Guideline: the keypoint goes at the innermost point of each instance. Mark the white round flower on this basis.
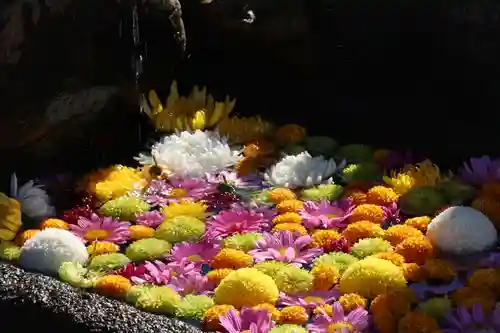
(48, 249)
(302, 170)
(461, 230)
(35, 202)
(192, 154)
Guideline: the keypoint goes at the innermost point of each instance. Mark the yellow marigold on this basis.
(293, 314)
(417, 322)
(381, 195)
(358, 197)
(271, 309)
(486, 279)
(414, 272)
(487, 303)
(10, 217)
(243, 130)
(279, 195)
(186, 208)
(401, 182)
(462, 294)
(398, 233)
(231, 258)
(352, 301)
(420, 222)
(325, 307)
(489, 206)
(362, 229)
(324, 239)
(424, 173)
(114, 182)
(290, 217)
(97, 248)
(290, 134)
(289, 206)
(211, 318)
(113, 285)
(415, 249)
(385, 322)
(439, 269)
(24, 236)
(398, 302)
(292, 227)
(325, 276)
(395, 258)
(140, 232)
(54, 223)
(368, 212)
(217, 275)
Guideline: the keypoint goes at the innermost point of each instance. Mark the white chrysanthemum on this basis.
(192, 154)
(48, 249)
(302, 170)
(35, 201)
(461, 230)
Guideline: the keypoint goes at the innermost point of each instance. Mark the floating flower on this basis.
(325, 238)
(248, 320)
(194, 283)
(248, 182)
(355, 321)
(114, 182)
(234, 221)
(352, 301)
(321, 192)
(101, 229)
(480, 170)
(54, 223)
(309, 300)
(186, 208)
(197, 253)
(369, 212)
(161, 192)
(293, 314)
(289, 206)
(291, 227)
(287, 247)
(147, 249)
(192, 154)
(10, 217)
(231, 258)
(325, 276)
(326, 215)
(211, 317)
(381, 195)
(155, 272)
(362, 229)
(302, 170)
(244, 130)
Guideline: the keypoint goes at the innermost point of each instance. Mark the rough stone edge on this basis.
(34, 301)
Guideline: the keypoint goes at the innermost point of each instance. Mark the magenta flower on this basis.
(285, 246)
(250, 182)
(248, 320)
(480, 170)
(475, 321)
(156, 193)
(150, 219)
(183, 267)
(325, 214)
(131, 270)
(163, 192)
(309, 300)
(197, 253)
(194, 283)
(155, 272)
(354, 322)
(98, 228)
(237, 221)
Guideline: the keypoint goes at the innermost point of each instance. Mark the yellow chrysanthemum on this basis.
(292, 227)
(424, 174)
(291, 217)
(381, 195)
(293, 314)
(325, 276)
(186, 208)
(244, 130)
(289, 206)
(196, 112)
(352, 301)
(114, 182)
(231, 258)
(324, 239)
(140, 232)
(54, 223)
(393, 257)
(215, 276)
(98, 248)
(398, 233)
(419, 222)
(10, 217)
(278, 195)
(401, 182)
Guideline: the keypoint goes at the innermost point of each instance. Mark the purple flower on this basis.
(326, 215)
(250, 182)
(98, 228)
(194, 283)
(155, 272)
(237, 221)
(354, 322)
(249, 320)
(150, 219)
(309, 300)
(163, 192)
(422, 289)
(480, 170)
(285, 246)
(197, 253)
(475, 321)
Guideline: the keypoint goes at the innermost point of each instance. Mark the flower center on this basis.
(178, 193)
(194, 258)
(331, 216)
(96, 234)
(341, 327)
(282, 251)
(314, 299)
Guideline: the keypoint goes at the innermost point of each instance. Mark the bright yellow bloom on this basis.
(10, 217)
(114, 182)
(186, 208)
(424, 173)
(401, 182)
(244, 130)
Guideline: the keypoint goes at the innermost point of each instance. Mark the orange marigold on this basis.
(292, 227)
(113, 285)
(294, 314)
(393, 257)
(352, 301)
(358, 197)
(97, 248)
(381, 195)
(420, 222)
(362, 229)
(290, 217)
(231, 258)
(490, 189)
(385, 322)
(217, 275)
(485, 279)
(415, 249)
(439, 269)
(247, 166)
(278, 195)
(290, 134)
(368, 212)
(397, 302)
(417, 322)
(414, 272)
(489, 206)
(289, 206)
(211, 318)
(54, 223)
(24, 236)
(398, 233)
(324, 239)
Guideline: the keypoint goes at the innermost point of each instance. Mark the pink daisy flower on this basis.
(196, 253)
(309, 300)
(183, 267)
(248, 320)
(155, 272)
(354, 322)
(326, 215)
(163, 192)
(285, 246)
(237, 221)
(194, 283)
(150, 219)
(98, 228)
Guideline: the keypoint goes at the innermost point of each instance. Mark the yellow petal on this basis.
(7, 235)
(217, 114)
(155, 102)
(199, 120)
(173, 96)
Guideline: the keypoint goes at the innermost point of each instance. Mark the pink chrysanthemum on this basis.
(98, 228)
(248, 320)
(163, 192)
(197, 253)
(150, 219)
(250, 182)
(193, 283)
(233, 222)
(326, 215)
(154, 272)
(354, 322)
(480, 170)
(285, 246)
(309, 300)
